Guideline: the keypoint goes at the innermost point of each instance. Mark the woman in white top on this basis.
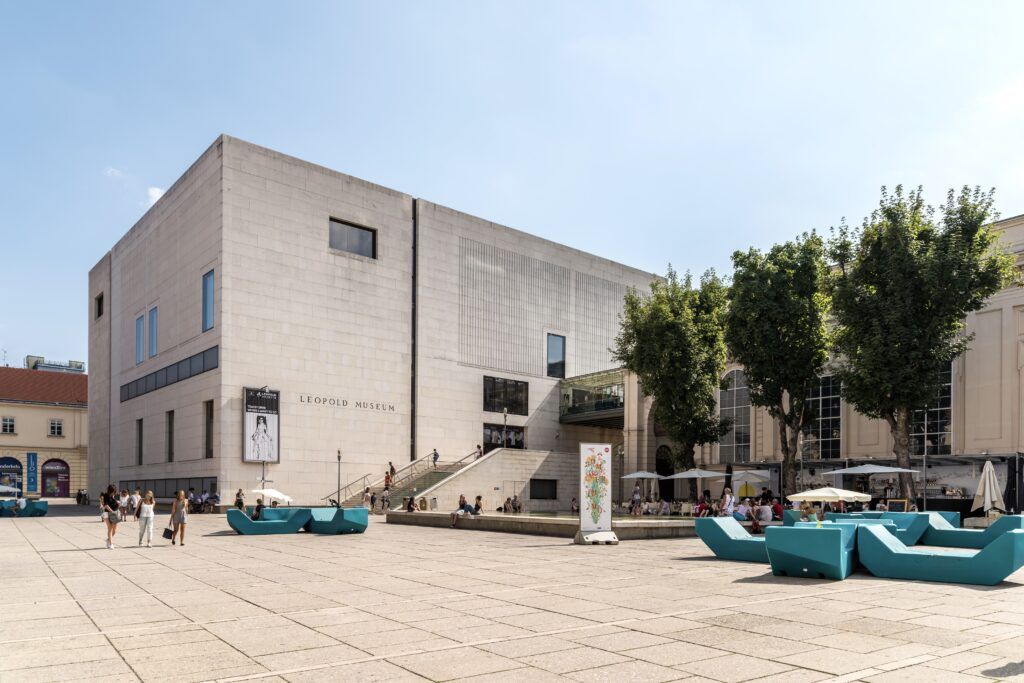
(366, 498)
(727, 503)
(146, 506)
(123, 508)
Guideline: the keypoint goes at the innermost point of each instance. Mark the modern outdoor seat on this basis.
(281, 521)
(338, 520)
(910, 526)
(812, 551)
(940, 533)
(728, 540)
(7, 508)
(886, 556)
(35, 508)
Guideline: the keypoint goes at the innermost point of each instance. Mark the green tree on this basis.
(776, 329)
(902, 287)
(672, 339)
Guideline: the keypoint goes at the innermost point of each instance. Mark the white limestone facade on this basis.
(380, 356)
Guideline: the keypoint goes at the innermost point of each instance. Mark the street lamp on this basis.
(339, 478)
(504, 427)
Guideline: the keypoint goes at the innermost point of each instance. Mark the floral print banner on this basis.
(595, 487)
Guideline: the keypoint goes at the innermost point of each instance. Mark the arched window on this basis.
(734, 404)
(56, 479)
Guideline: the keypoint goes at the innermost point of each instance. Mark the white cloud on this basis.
(112, 172)
(154, 193)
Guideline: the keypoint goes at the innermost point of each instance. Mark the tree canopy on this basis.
(672, 338)
(776, 329)
(902, 287)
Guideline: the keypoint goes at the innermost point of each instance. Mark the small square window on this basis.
(56, 427)
(7, 425)
(354, 239)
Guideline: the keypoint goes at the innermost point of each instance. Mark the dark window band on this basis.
(175, 372)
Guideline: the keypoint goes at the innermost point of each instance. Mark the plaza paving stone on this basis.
(404, 603)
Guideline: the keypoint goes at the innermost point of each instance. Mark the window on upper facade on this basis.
(354, 239)
(170, 436)
(208, 301)
(556, 356)
(7, 425)
(502, 436)
(501, 393)
(931, 428)
(208, 429)
(98, 307)
(543, 489)
(822, 438)
(152, 331)
(138, 441)
(734, 404)
(140, 336)
(56, 427)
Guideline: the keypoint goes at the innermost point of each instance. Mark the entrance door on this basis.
(663, 466)
(56, 479)
(10, 473)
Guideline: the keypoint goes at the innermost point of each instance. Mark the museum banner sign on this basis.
(261, 435)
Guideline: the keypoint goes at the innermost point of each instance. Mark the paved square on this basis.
(403, 603)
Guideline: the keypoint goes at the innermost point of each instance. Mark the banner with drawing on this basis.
(595, 487)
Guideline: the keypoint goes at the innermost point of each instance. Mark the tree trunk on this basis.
(789, 439)
(686, 457)
(899, 426)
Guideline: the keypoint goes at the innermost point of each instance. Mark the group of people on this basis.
(118, 506)
(512, 504)
(464, 508)
(370, 498)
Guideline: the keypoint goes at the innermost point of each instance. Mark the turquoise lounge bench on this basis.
(35, 508)
(807, 550)
(7, 508)
(273, 521)
(942, 534)
(728, 540)
(886, 556)
(338, 520)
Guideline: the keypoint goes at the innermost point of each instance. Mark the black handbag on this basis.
(168, 532)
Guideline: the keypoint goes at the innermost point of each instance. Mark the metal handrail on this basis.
(401, 474)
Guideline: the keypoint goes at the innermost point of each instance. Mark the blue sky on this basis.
(644, 132)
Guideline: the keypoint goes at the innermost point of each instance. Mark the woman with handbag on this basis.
(109, 504)
(179, 517)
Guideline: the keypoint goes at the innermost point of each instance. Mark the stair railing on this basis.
(342, 494)
(405, 473)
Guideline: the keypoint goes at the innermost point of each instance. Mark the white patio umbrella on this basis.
(988, 493)
(751, 477)
(695, 474)
(273, 493)
(871, 469)
(829, 494)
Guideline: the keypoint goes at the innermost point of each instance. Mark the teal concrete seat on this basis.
(886, 556)
(282, 521)
(728, 540)
(35, 508)
(790, 517)
(867, 514)
(7, 508)
(952, 517)
(942, 534)
(812, 551)
(910, 526)
(338, 520)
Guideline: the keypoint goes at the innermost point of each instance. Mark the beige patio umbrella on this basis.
(988, 493)
(829, 494)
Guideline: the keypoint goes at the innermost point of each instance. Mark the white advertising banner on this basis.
(595, 487)
(261, 435)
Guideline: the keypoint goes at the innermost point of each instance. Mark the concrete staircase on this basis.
(413, 484)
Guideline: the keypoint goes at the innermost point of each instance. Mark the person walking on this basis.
(122, 509)
(179, 518)
(435, 456)
(366, 499)
(479, 452)
(145, 515)
(240, 500)
(373, 501)
(133, 504)
(109, 503)
(391, 469)
(385, 500)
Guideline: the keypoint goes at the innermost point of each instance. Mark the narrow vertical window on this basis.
(138, 441)
(140, 334)
(208, 301)
(170, 436)
(208, 429)
(556, 356)
(152, 331)
(99, 305)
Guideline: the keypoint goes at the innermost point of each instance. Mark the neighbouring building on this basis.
(44, 428)
(269, 311)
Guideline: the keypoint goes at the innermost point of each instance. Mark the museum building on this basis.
(267, 313)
